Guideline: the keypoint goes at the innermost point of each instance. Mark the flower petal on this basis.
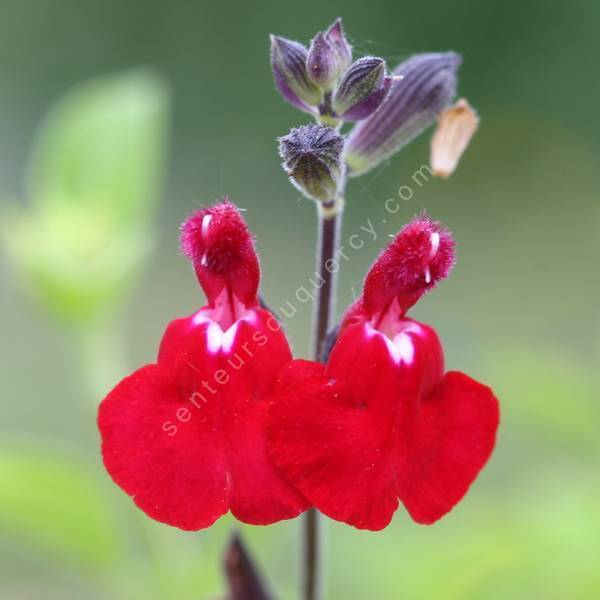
(185, 350)
(381, 423)
(259, 495)
(175, 470)
(332, 434)
(452, 439)
(188, 434)
(241, 377)
(333, 453)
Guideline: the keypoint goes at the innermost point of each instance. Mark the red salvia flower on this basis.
(382, 422)
(185, 437)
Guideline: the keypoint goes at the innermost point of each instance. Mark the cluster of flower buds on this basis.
(427, 87)
(390, 108)
(323, 81)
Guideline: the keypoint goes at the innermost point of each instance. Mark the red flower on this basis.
(185, 436)
(381, 422)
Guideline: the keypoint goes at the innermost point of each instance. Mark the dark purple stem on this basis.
(328, 243)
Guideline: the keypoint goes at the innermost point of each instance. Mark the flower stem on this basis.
(330, 218)
(326, 268)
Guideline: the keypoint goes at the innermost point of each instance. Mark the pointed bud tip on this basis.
(273, 43)
(323, 62)
(335, 31)
(454, 58)
(283, 44)
(421, 255)
(277, 40)
(276, 43)
(335, 34)
(336, 27)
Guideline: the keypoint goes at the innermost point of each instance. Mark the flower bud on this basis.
(362, 89)
(427, 86)
(323, 63)
(335, 35)
(288, 63)
(312, 159)
(455, 128)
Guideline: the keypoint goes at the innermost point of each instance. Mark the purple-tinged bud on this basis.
(288, 63)
(323, 62)
(312, 157)
(335, 35)
(362, 89)
(428, 85)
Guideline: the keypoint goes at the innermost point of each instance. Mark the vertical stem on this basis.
(328, 244)
(311, 555)
(330, 217)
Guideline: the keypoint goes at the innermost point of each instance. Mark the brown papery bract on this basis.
(455, 128)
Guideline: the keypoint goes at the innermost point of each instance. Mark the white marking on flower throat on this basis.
(214, 337)
(400, 347)
(406, 350)
(217, 339)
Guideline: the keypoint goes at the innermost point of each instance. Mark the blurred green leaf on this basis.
(71, 265)
(95, 175)
(53, 503)
(102, 146)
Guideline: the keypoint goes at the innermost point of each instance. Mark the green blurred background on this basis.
(520, 311)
